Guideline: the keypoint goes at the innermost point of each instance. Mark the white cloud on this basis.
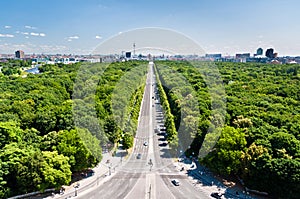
(73, 37)
(32, 48)
(34, 34)
(7, 27)
(30, 27)
(98, 37)
(6, 35)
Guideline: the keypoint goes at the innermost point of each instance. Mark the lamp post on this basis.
(121, 158)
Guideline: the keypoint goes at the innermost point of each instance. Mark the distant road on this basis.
(150, 175)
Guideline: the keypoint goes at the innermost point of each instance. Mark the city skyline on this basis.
(78, 27)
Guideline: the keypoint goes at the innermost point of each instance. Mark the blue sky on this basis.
(77, 26)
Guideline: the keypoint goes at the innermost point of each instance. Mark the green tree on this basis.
(285, 143)
(70, 145)
(226, 158)
(55, 170)
(3, 183)
(127, 141)
(9, 132)
(91, 143)
(111, 129)
(20, 176)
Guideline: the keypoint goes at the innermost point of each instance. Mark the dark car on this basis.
(139, 156)
(216, 195)
(90, 173)
(175, 182)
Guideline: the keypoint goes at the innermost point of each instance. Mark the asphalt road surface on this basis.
(150, 175)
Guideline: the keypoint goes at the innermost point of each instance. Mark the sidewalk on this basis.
(103, 170)
(209, 183)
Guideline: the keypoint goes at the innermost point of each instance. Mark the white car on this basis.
(145, 143)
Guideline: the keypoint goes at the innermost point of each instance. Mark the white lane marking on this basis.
(150, 186)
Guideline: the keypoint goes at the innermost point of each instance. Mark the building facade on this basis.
(20, 54)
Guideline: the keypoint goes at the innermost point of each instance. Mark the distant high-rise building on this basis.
(259, 51)
(270, 53)
(128, 54)
(20, 54)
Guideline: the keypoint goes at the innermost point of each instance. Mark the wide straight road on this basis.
(149, 170)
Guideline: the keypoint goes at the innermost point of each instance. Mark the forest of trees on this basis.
(43, 118)
(14, 67)
(249, 112)
(260, 138)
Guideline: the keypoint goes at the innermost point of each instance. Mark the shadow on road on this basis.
(161, 139)
(163, 144)
(121, 154)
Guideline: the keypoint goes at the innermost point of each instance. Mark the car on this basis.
(175, 182)
(90, 173)
(139, 156)
(145, 143)
(216, 195)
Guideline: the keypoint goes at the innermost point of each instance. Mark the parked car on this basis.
(216, 195)
(175, 182)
